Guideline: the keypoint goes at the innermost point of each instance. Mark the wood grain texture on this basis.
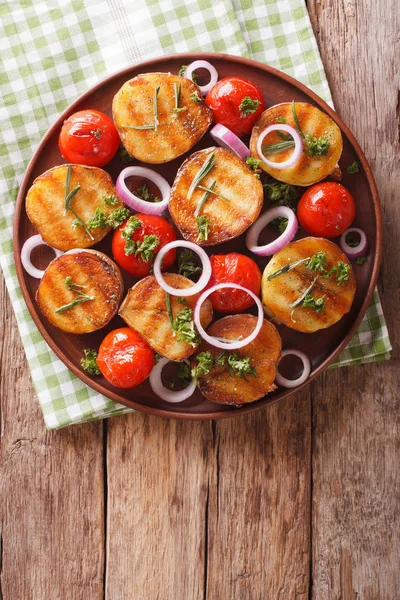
(51, 491)
(356, 486)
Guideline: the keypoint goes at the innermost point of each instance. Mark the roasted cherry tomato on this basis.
(124, 359)
(326, 209)
(236, 103)
(88, 137)
(234, 268)
(151, 234)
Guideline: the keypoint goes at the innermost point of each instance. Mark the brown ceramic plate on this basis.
(322, 347)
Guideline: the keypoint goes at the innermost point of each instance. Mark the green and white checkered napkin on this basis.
(52, 51)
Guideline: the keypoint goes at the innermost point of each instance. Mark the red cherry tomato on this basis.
(88, 137)
(150, 225)
(124, 359)
(234, 268)
(326, 209)
(225, 99)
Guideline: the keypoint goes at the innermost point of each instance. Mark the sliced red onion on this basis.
(291, 383)
(163, 392)
(296, 154)
(215, 341)
(137, 204)
(27, 248)
(196, 287)
(229, 140)
(202, 64)
(356, 251)
(254, 232)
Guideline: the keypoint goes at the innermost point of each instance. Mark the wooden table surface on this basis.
(299, 500)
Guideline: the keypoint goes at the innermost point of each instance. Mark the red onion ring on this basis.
(254, 232)
(217, 342)
(202, 64)
(196, 287)
(163, 392)
(298, 146)
(291, 383)
(229, 140)
(137, 204)
(350, 251)
(29, 245)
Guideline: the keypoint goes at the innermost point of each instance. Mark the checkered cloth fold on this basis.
(53, 51)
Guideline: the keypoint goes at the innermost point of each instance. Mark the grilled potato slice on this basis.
(100, 279)
(133, 106)
(145, 310)
(234, 181)
(45, 205)
(312, 121)
(223, 387)
(280, 292)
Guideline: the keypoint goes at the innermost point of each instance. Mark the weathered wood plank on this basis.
(51, 491)
(158, 479)
(356, 489)
(259, 510)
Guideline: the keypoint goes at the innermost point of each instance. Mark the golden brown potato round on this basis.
(223, 387)
(312, 121)
(228, 218)
(144, 309)
(133, 106)
(45, 205)
(280, 292)
(97, 277)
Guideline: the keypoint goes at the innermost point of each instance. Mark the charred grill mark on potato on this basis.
(144, 309)
(220, 385)
(307, 170)
(133, 105)
(279, 293)
(228, 218)
(45, 205)
(101, 279)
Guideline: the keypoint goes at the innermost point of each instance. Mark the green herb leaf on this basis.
(248, 106)
(203, 227)
(352, 240)
(155, 107)
(317, 146)
(125, 156)
(67, 184)
(270, 149)
(212, 191)
(300, 300)
(99, 219)
(253, 163)
(360, 260)
(184, 327)
(353, 168)
(69, 199)
(281, 120)
(89, 363)
(202, 172)
(342, 271)
(317, 304)
(196, 98)
(286, 268)
(296, 119)
(146, 247)
(169, 309)
(79, 300)
(71, 285)
(184, 373)
(177, 96)
(317, 262)
(118, 216)
(144, 193)
(240, 365)
(204, 365)
(282, 193)
(81, 296)
(182, 70)
(139, 127)
(186, 264)
(110, 200)
(204, 197)
(279, 224)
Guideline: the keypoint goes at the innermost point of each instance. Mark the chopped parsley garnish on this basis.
(196, 98)
(182, 70)
(89, 363)
(352, 240)
(317, 146)
(184, 373)
(281, 193)
(360, 260)
(183, 324)
(279, 224)
(248, 106)
(353, 168)
(145, 247)
(186, 264)
(317, 262)
(203, 227)
(110, 200)
(144, 193)
(99, 219)
(305, 297)
(240, 365)
(80, 295)
(131, 226)
(204, 365)
(118, 216)
(317, 304)
(342, 271)
(253, 163)
(281, 120)
(114, 219)
(125, 156)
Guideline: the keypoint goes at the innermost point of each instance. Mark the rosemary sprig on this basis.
(299, 301)
(287, 268)
(296, 119)
(210, 189)
(169, 308)
(74, 303)
(202, 172)
(138, 126)
(269, 149)
(69, 197)
(80, 298)
(177, 96)
(156, 121)
(204, 198)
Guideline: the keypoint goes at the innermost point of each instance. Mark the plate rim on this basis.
(246, 408)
